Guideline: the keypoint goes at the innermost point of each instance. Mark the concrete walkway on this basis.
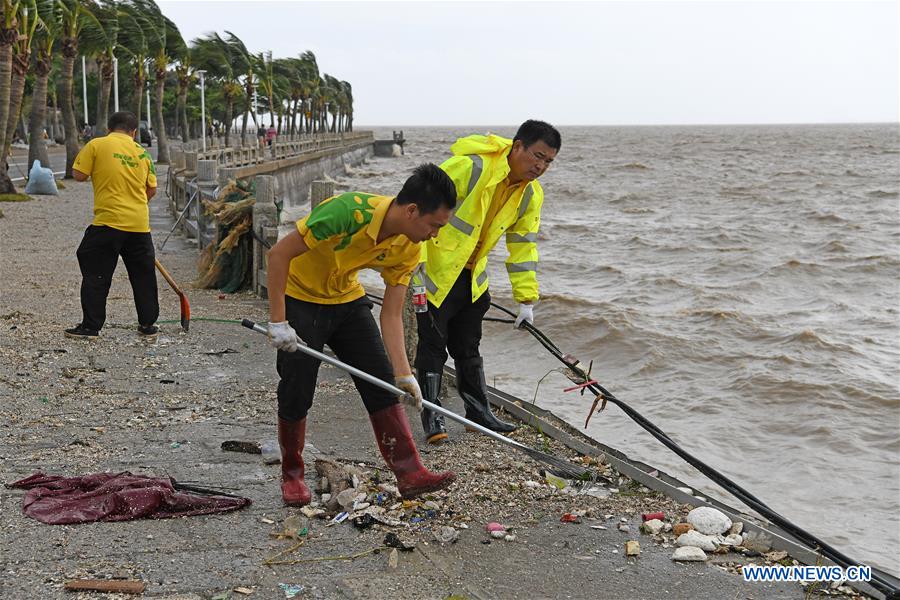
(119, 403)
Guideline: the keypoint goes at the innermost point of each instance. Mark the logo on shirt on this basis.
(126, 160)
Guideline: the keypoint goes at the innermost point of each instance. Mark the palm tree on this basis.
(348, 92)
(45, 38)
(214, 55)
(99, 39)
(162, 35)
(74, 15)
(27, 23)
(8, 34)
(243, 66)
(310, 78)
(180, 52)
(133, 25)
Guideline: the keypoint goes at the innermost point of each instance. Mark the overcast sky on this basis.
(584, 63)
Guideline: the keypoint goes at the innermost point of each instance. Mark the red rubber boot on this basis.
(399, 451)
(291, 437)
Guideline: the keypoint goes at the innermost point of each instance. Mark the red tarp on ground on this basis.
(57, 500)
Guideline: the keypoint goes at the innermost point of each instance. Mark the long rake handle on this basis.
(391, 388)
(168, 278)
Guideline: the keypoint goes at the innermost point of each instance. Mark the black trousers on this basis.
(350, 331)
(98, 254)
(455, 327)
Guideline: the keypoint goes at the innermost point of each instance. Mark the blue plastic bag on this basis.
(41, 181)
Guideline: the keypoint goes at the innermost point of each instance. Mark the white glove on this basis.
(283, 336)
(526, 313)
(408, 384)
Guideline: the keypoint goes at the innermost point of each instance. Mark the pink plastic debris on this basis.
(495, 527)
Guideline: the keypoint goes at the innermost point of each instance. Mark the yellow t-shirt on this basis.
(502, 193)
(342, 234)
(121, 170)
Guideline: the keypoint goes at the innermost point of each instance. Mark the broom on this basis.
(558, 466)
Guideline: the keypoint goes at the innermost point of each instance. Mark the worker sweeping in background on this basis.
(314, 292)
(498, 194)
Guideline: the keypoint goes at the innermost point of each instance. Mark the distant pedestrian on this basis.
(124, 181)
(261, 134)
(270, 136)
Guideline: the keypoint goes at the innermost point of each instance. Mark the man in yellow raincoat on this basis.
(497, 196)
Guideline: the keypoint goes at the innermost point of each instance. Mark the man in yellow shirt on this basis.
(499, 196)
(124, 181)
(313, 289)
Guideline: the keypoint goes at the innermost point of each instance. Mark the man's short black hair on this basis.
(429, 188)
(122, 121)
(532, 131)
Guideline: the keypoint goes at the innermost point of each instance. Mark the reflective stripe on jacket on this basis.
(478, 165)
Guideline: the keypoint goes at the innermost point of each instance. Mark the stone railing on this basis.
(195, 175)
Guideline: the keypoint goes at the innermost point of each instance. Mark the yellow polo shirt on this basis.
(342, 235)
(121, 170)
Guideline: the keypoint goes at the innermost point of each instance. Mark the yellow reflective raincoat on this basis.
(478, 165)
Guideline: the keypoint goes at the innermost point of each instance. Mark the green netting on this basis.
(226, 263)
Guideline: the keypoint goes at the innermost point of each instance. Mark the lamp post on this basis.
(149, 122)
(116, 83)
(201, 73)
(84, 88)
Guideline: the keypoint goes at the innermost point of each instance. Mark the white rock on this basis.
(733, 539)
(737, 528)
(709, 520)
(653, 526)
(686, 490)
(499, 534)
(509, 537)
(689, 554)
(624, 527)
(695, 539)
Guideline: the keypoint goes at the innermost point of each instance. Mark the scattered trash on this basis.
(220, 352)
(117, 586)
(167, 381)
(293, 527)
(623, 527)
(680, 528)
(393, 559)
(776, 556)
(494, 527)
(652, 526)
(271, 452)
(237, 446)
(498, 534)
(393, 540)
(557, 482)
(689, 554)
(509, 537)
(632, 548)
(708, 520)
(243, 590)
(291, 590)
(267, 521)
(311, 513)
(446, 534)
(569, 518)
(174, 445)
(363, 521)
(339, 518)
(658, 515)
(597, 527)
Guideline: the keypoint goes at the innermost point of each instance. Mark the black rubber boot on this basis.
(473, 389)
(432, 422)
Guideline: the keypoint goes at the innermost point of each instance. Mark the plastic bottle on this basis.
(419, 298)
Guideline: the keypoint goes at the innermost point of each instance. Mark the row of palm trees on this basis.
(40, 41)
